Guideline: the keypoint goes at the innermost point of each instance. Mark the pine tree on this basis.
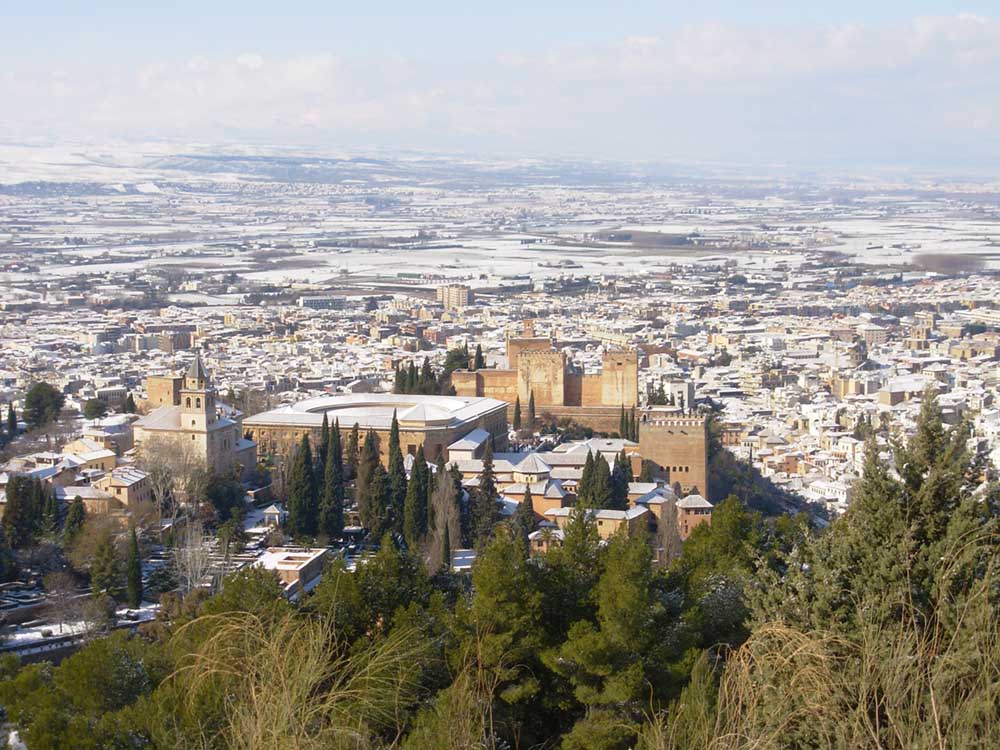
(331, 509)
(11, 420)
(129, 407)
(480, 361)
(417, 502)
(397, 476)
(517, 414)
(105, 576)
(531, 410)
(133, 573)
(351, 458)
(484, 509)
(302, 499)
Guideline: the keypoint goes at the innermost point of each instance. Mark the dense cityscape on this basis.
(539, 376)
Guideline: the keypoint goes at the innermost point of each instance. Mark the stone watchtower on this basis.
(197, 398)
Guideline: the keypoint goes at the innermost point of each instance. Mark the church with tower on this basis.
(183, 415)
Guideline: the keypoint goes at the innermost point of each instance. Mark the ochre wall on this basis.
(163, 391)
(680, 446)
(541, 373)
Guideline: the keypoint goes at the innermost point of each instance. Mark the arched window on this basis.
(197, 403)
(187, 404)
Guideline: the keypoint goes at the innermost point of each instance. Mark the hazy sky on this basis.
(848, 82)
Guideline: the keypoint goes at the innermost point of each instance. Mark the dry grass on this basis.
(289, 684)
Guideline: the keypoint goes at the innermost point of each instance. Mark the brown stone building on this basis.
(535, 368)
(679, 446)
(434, 422)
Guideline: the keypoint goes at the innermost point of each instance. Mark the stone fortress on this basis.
(560, 389)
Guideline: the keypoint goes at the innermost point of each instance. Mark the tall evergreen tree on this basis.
(105, 574)
(584, 489)
(623, 424)
(375, 505)
(331, 507)
(480, 361)
(351, 457)
(8, 564)
(626, 463)
(303, 504)
(11, 420)
(75, 516)
(427, 383)
(619, 485)
(523, 520)
(50, 514)
(602, 491)
(417, 502)
(531, 410)
(129, 407)
(484, 506)
(399, 382)
(412, 378)
(397, 476)
(517, 414)
(18, 519)
(368, 460)
(133, 573)
(324, 446)
(634, 427)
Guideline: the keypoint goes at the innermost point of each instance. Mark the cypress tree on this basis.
(351, 459)
(619, 487)
(129, 407)
(50, 514)
(11, 420)
(623, 424)
(531, 410)
(412, 378)
(331, 510)
(480, 361)
(375, 505)
(8, 565)
(133, 573)
(602, 490)
(626, 464)
(524, 519)
(517, 414)
(75, 517)
(585, 487)
(18, 517)
(368, 459)
(397, 476)
(427, 383)
(417, 502)
(633, 427)
(399, 383)
(484, 510)
(324, 446)
(105, 576)
(302, 500)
